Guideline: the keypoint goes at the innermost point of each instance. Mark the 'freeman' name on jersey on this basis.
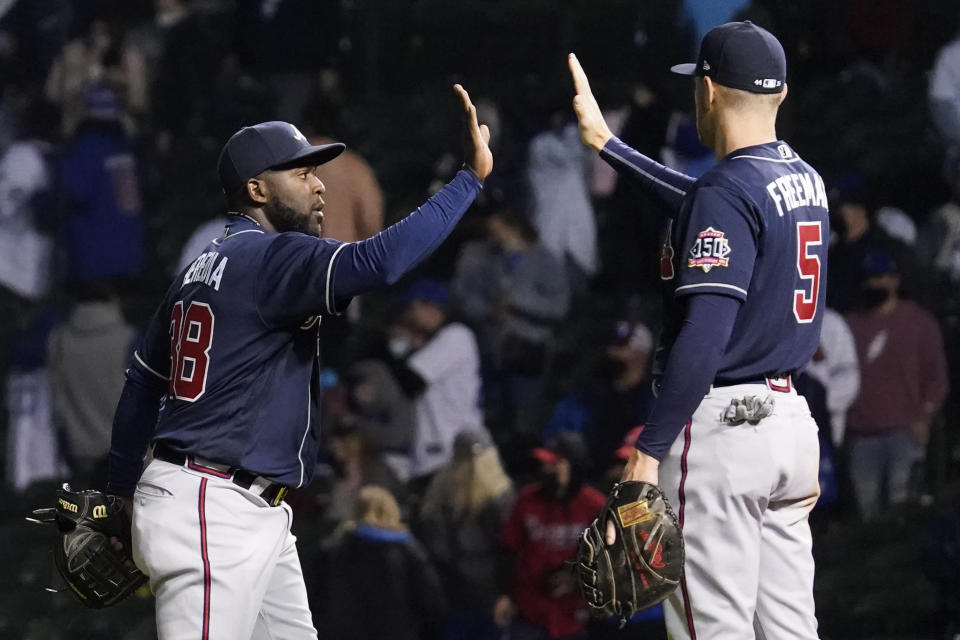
(798, 190)
(207, 269)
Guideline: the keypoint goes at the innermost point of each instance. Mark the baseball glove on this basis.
(644, 564)
(98, 573)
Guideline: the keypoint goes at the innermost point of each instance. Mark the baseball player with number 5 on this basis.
(225, 384)
(743, 267)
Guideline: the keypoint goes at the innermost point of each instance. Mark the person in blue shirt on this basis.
(743, 267)
(225, 384)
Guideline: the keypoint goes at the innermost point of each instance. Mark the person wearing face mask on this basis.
(854, 234)
(436, 362)
(615, 396)
(903, 373)
(541, 534)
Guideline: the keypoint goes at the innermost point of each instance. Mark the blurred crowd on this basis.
(477, 413)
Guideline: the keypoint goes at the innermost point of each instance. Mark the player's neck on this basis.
(736, 131)
(259, 217)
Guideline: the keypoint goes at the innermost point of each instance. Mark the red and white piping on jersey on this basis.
(711, 284)
(217, 241)
(329, 302)
(649, 176)
(149, 368)
(781, 160)
(304, 438)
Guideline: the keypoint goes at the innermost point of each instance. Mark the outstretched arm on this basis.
(322, 275)
(387, 256)
(665, 183)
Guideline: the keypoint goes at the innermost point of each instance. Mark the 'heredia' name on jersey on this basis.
(798, 190)
(208, 269)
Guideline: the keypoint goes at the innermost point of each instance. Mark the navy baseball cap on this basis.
(269, 145)
(740, 55)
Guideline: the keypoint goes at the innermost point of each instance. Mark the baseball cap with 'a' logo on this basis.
(269, 145)
(740, 55)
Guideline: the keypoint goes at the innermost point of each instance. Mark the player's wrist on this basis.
(473, 172)
(600, 139)
(641, 467)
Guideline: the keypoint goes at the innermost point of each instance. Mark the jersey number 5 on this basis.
(808, 266)
(191, 335)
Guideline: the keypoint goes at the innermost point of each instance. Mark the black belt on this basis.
(272, 492)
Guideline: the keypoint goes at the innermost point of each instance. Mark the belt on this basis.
(272, 492)
(782, 382)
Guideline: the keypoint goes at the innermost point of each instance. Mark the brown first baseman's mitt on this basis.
(644, 564)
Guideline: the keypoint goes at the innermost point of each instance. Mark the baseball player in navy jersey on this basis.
(225, 384)
(743, 267)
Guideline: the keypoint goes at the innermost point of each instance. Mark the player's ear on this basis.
(783, 94)
(709, 91)
(257, 190)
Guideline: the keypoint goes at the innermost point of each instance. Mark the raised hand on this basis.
(476, 152)
(593, 128)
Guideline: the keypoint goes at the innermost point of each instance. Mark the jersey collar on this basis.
(776, 150)
(239, 223)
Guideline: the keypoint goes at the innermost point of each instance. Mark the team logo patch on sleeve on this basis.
(710, 250)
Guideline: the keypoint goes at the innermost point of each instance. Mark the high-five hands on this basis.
(593, 128)
(476, 153)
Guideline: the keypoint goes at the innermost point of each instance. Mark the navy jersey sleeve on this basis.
(717, 241)
(138, 408)
(152, 353)
(707, 326)
(668, 185)
(294, 278)
(303, 276)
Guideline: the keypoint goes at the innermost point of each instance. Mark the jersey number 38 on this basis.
(191, 334)
(809, 234)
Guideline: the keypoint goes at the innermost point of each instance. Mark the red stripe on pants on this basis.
(201, 507)
(687, 437)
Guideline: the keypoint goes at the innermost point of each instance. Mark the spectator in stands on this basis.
(541, 533)
(99, 175)
(944, 92)
(99, 57)
(461, 515)
(189, 57)
(854, 237)
(354, 467)
(616, 395)
(904, 382)
(377, 581)
(835, 366)
(86, 356)
(380, 410)
(437, 363)
(562, 210)
(32, 446)
(26, 194)
(508, 290)
(939, 243)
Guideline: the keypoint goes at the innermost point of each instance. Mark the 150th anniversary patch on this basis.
(710, 250)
